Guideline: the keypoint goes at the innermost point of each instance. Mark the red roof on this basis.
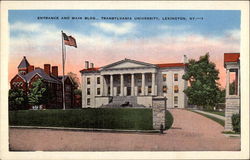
(231, 57)
(90, 69)
(171, 65)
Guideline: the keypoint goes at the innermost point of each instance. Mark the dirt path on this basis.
(190, 132)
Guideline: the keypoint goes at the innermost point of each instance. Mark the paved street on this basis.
(190, 132)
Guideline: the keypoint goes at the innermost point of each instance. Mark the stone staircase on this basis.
(123, 101)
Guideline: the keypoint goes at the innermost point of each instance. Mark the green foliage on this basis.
(169, 120)
(202, 76)
(77, 92)
(74, 78)
(232, 88)
(39, 93)
(236, 122)
(17, 99)
(110, 118)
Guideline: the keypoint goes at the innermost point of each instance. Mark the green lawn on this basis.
(221, 122)
(108, 118)
(221, 113)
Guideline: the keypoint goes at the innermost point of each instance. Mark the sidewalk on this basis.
(210, 114)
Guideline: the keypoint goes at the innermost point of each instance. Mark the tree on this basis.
(75, 79)
(17, 99)
(39, 93)
(232, 88)
(202, 76)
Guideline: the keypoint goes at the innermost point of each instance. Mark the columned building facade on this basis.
(133, 82)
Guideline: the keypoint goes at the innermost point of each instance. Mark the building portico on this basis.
(133, 81)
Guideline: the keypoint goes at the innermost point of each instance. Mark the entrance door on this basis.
(129, 91)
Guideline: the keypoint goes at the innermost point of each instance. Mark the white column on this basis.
(132, 84)
(153, 84)
(104, 85)
(143, 84)
(111, 85)
(227, 81)
(122, 85)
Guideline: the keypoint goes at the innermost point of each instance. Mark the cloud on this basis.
(174, 27)
(118, 29)
(233, 35)
(43, 45)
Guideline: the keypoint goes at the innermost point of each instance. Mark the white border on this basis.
(200, 5)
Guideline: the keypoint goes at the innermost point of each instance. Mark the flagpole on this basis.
(63, 64)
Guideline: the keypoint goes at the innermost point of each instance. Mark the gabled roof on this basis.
(165, 65)
(65, 77)
(42, 74)
(24, 63)
(128, 60)
(231, 57)
(21, 76)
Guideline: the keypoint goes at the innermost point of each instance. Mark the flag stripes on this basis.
(69, 40)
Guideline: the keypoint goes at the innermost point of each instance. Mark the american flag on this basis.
(69, 40)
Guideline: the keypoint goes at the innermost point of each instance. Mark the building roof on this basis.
(231, 57)
(166, 65)
(163, 65)
(90, 70)
(24, 63)
(43, 75)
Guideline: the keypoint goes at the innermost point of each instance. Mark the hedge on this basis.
(236, 122)
(103, 118)
(109, 118)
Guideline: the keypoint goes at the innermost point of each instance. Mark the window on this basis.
(68, 88)
(139, 79)
(175, 77)
(108, 90)
(88, 80)
(88, 101)
(175, 99)
(139, 89)
(176, 89)
(88, 91)
(98, 80)
(149, 77)
(98, 91)
(164, 89)
(149, 89)
(164, 77)
(118, 90)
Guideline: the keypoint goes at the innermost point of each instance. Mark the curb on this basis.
(232, 135)
(86, 129)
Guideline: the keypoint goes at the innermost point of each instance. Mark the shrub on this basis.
(236, 122)
(109, 118)
(169, 120)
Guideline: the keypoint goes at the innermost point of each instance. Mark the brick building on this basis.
(28, 74)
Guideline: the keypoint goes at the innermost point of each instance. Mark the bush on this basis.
(109, 118)
(236, 122)
(169, 120)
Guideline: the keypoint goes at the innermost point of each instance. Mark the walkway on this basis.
(190, 132)
(210, 114)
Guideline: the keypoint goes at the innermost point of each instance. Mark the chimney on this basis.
(91, 65)
(55, 71)
(86, 64)
(185, 59)
(30, 68)
(47, 68)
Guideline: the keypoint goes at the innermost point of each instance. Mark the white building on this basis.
(133, 83)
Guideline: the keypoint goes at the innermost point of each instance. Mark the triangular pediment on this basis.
(128, 63)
